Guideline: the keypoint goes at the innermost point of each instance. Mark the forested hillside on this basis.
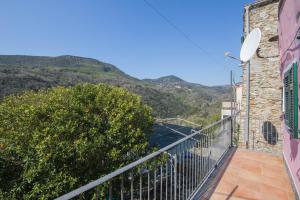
(168, 96)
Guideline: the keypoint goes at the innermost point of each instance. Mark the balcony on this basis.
(249, 175)
(203, 164)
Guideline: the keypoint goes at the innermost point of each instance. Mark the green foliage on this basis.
(55, 140)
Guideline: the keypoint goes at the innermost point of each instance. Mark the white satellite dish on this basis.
(250, 45)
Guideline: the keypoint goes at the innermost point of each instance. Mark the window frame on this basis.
(290, 98)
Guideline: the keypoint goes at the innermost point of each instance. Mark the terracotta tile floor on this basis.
(254, 175)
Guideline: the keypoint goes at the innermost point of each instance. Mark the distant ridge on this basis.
(170, 78)
(58, 61)
(168, 96)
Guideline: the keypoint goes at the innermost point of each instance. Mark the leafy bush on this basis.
(55, 140)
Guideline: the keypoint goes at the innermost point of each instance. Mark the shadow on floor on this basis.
(211, 184)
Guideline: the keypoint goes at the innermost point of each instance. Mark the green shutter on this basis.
(291, 99)
(295, 100)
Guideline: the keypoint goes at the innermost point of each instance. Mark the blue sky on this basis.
(128, 34)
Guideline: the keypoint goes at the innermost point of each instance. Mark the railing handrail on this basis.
(119, 171)
(187, 121)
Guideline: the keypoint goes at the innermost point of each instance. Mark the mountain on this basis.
(200, 101)
(168, 96)
(177, 85)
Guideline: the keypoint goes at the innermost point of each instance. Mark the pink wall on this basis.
(289, 48)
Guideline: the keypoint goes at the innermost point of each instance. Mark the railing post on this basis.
(231, 131)
(231, 110)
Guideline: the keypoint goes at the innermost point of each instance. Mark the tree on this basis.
(55, 140)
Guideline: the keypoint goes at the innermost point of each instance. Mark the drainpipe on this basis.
(246, 131)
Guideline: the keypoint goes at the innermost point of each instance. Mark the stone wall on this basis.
(265, 83)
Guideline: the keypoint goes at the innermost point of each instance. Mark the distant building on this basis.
(236, 105)
(289, 48)
(238, 96)
(265, 84)
(226, 109)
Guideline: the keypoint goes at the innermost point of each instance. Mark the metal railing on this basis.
(174, 172)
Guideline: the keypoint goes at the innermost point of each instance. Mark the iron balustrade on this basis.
(176, 171)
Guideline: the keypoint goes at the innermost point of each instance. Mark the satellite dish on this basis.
(250, 45)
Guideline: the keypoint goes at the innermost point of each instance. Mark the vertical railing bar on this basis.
(198, 180)
(97, 193)
(110, 191)
(122, 187)
(192, 167)
(131, 185)
(183, 171)
(171, 174)
(207, 153)
(148, 184)
(210, 150)
(213, 143)
(197, 164)
(175, 175)
(167, 180)
(155, 182)
(200, 174)
(201, 142)
(204, 157)
(141, 179)
(204, 150)
(161, 181)
(188, 169)
(196, 153)
(231, 138)
(224, 131)
(233, 128)
(179, 172)
(212, 147)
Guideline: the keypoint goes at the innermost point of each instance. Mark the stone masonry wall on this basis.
(265, 83)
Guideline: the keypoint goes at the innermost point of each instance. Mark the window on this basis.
(291, 99)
